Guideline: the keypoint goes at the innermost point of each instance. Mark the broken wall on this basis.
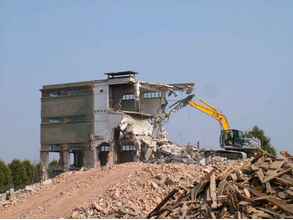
(152, 101)
(121, 97)
(129, 136)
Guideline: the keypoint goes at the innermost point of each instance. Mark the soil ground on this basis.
(74, 189)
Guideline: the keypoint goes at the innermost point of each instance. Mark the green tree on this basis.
(29, 169)
(37, 173)
(19, 176)
(5, 177)
(265, 140)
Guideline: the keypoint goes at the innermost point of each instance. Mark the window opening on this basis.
(128, 148)
(128, 97)
(152, 95)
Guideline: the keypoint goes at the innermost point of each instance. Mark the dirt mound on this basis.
(58, 198)
(140, 191)
(127, 190)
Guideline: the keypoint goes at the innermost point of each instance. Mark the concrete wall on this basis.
(69, 129)
(65, 133)
(150, 106)
(67, 106)
(105, 120)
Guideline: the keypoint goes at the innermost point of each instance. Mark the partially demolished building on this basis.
(114, 120)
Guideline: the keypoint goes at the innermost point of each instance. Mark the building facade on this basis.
(102, 122)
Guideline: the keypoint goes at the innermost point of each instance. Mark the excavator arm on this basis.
(212, 112)
(204, 107)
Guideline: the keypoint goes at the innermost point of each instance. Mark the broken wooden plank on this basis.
(288, 177)
(281, 204)
(284, 181)
(199, 188)
(271, 212)
(276, 165)
(231, 169)
(213, 192)
(221, 187)
(234, 176)
(276, 174)
(264, 165)
(208, 196)
(162, 203)
(269, 189)
(254, 167)
(260, 175)
(289, 192)
(247, 193)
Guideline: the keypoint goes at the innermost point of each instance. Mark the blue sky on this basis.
(238, 53)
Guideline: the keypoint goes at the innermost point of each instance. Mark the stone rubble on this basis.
(141, 192)
(136, 196)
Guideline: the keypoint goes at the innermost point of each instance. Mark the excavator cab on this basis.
(232, 138)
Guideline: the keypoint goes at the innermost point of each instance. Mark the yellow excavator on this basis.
(234, 143)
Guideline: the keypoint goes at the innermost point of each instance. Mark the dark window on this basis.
(128, 97)
(128, 148)
(68, 92)
(152, 95)
(75, 118)
(105, 148)
(54, 120)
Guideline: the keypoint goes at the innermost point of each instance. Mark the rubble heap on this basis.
(256, 188)
(140, 192)
(168, 152)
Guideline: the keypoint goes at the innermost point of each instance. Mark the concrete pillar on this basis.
(115, 144)
(95, 157)
(137, 96)
(89, 159)
(44, 157)
(90, 154)
(64, 157)
(137, 145)
(111, 157)
(86, 158)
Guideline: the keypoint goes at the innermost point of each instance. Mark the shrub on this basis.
(29, 169)
(18, 172)
(5, 177)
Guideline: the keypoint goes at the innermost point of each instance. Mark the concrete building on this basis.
(101, 122)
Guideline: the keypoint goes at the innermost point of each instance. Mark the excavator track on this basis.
(229, 154)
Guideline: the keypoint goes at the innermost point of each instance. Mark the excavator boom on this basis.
(204, 107)
(207, 109)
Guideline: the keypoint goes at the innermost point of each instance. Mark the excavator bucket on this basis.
(182, 102)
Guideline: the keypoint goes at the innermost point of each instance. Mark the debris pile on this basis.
(169, 152)
(256, 188)
(217, 161)
(140, 192)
